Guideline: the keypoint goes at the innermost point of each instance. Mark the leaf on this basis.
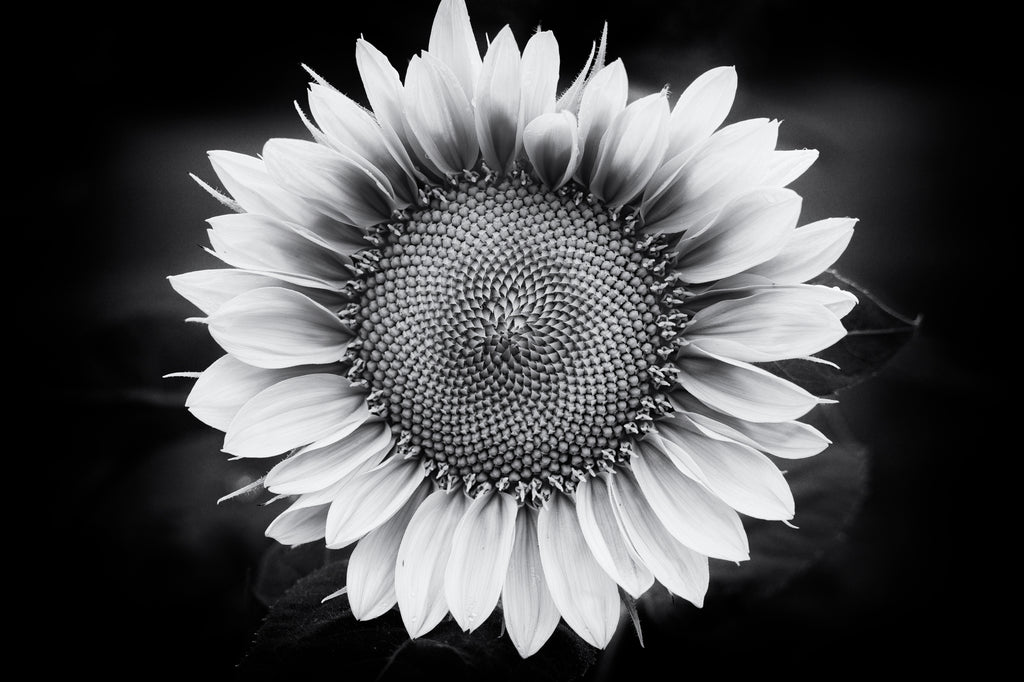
(281, 567)
(302, 635)
(876, 334)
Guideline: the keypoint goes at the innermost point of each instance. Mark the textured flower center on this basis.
(512, 336)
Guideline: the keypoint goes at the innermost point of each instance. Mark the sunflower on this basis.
(505, 341)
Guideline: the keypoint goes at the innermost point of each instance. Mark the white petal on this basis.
(539, 73)
(750, 229)
(530, 614)
(498, 125)
(570, 99)
(315, 469)
(295, 412)
(478, 563)
(337, 185)
(584, 594)
(764, 328)
(371, 499)
(208, 290)
(603, 98)
(275, 327)
(452, 41)
(631, 150)
(440, 115)
(604, 537)
(371, 568)
(229, 383)
(745, 479)
(423, 558)
(677, 567)
(746, 285)
(552, 146)
(701, 109)
(742, 390)
(297, 526)
(785, 166)
(692, 514)
(809, 251)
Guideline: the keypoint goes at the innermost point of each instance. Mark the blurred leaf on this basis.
(876, 334)
(301, 635)
(281, 567)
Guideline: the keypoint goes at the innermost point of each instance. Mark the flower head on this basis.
(507, 341)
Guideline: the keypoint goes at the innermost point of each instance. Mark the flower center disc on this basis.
(507, 334)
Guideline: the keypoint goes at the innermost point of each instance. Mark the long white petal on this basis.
(497, 103)
(294, 412)
(809, 251)
(742, 390)
(676, 566)
(631, 150)
(603, 98)
(530, 614)
(604, 537)
(452, 41)
(750, 229)
(317, 468)
(691, 513)
(440, 115)
(552, 145)
(584, 594)
(297, 526)
(371, 499)
(701, 109)
(539, 72)
(747, 285)
(423, 558)
(208, 290)
(371, 568)
(785, 166)
(275, 327)
(478, 563)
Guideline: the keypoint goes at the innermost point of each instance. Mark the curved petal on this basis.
(530, 614)
(603, 98)
(208, 290)
(371, 499)
(370, 577)
(275, 327)
(605, 539)
(423, 558)
(631, 150)
(746, 285)
(677, 567)
(452, 41)
(297, 526)
(552, 146)
(478, 563)
(584, 594)
(785, 166)
(315, 469)
(440, 116)
(701, 109)
(295, 412)
(539, 72)
(808, 252)
(692, 514)
(497, 103)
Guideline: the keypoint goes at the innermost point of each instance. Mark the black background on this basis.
(144, 571)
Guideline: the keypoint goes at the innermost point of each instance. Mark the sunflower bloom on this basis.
(505, 341)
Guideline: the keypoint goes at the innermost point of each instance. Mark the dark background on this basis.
(145, 570)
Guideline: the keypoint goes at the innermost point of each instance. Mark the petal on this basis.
(498, 125)
(701, 109)
(604, 537)
(785, 166)
(452, 41)
(742, 390)
(371, 499)
(570, 99)
(295, 412)
(808, 252)
(749, 230)
(229, 383)
(440, 115)
(315, 469)
(552, 146)
(275, 327)
(423, 558)
(337, 185)
(764, 328)
(603, 98)
(371, 567)
(539, 72)
(208, 290)
(297, 526)
(746, 285)
(677, 567)
(584, 594)
(478, 563)
(741, 476)
(631, 150)
(530, 614)
(691, 513)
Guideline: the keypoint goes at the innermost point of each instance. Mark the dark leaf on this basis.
(876, 334)
(281, 567)
(301, 635)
